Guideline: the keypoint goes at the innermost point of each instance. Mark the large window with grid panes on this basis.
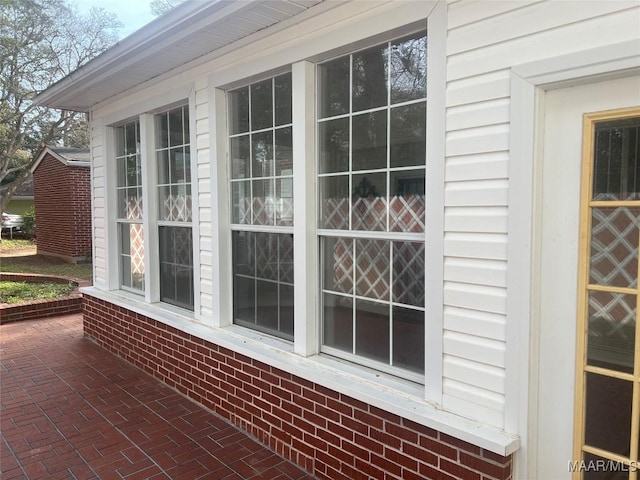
(371, 135)
(165, 184)
(260, 146)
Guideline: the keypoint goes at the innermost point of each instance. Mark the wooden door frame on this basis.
(588, 132)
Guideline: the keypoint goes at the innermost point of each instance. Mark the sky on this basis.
(132, 13)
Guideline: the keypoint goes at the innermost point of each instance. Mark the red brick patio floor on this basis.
(72, 410)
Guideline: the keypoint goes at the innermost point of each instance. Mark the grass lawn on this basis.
(19, 256)
(8, 246)
(18, 292)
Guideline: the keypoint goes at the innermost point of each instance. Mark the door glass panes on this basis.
(372, 110)
(261, 151)
(608, 413)
(616, 170)
(612, 330)
(611, 243)
(614, 246)
(615, 470)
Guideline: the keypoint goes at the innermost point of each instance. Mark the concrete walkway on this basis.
(71, 410)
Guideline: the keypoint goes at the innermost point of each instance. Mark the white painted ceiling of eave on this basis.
(126, 75)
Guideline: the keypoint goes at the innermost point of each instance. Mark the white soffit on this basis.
(191, 30)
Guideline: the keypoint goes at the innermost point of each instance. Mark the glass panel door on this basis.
(608, 371)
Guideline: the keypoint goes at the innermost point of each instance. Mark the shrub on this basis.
(29, 225)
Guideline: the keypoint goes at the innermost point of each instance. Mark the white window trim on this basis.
(306, 262)
(305, 243)
(144, 112)
(306, 257)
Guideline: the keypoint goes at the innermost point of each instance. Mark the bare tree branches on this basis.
(42, 41)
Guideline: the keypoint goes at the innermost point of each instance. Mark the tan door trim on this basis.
(589, 122)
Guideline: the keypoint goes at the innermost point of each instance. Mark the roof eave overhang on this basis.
(85, 87)
(69, 163)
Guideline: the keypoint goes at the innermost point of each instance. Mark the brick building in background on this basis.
(62, 196)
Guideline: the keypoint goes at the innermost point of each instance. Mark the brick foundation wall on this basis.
(62, 197)
(40, 308)
(331, 435)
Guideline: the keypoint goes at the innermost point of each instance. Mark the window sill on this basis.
(385, 392)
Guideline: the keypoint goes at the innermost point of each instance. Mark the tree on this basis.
(41, 41)
(160, 7)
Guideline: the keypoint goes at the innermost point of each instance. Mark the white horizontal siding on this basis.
(98, 205)
(203, 180)
(613, 28)
(486, 377)
(478, 193)
(476, 219)
(470, 402)
(204, 168)
(484, 40)
(202, 142)
(530, 21)
(475, 297)
(486, 87)
(475, 245)
(489, 112)
(478, 396)
(472, 347)
(476, 271)
(493, 138)
(480, 166)
(473, 322)
(467, 12)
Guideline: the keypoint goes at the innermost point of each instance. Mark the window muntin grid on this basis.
(608, 383)
(130, 211)
(371, 164)
(173, 187)
(173, 163)
(261, 152)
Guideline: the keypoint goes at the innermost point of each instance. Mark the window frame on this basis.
(306, 278)
(157, 223)
(587, 362)
(144, 113)
(351, 232)
(252, 226)
(122, 222)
